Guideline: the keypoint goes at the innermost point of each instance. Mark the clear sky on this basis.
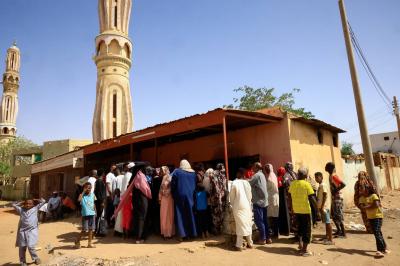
(189, 56)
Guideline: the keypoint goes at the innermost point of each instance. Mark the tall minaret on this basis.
(9, 103)
(113, 112)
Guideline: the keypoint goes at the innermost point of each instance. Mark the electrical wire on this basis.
(368, 68)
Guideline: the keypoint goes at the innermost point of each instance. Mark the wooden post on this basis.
(156, 152)
(225, 148)
(362, 123)
(131, 152)
(396, 113)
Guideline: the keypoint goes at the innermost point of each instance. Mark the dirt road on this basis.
(56, 246)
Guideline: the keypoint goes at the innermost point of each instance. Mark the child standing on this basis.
(301, 194)
(324, 205)
(87, 199)
(28, 232)
(372, 204)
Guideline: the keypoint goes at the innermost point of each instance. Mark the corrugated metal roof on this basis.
(151, 132)
(319, 123)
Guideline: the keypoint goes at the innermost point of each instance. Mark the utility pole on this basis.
(369, 160)
(396, 113)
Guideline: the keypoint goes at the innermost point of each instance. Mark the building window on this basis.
(116, 13)
(7, 108)
(320, 137)
(335, 140)
(12, 61)
(386, 138)
(114, 125)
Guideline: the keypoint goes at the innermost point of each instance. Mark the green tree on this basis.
(347, 149)
(255, 99)
(6, 150)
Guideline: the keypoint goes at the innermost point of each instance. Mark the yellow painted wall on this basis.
(54, 148)
(308, 152)
(74, 143)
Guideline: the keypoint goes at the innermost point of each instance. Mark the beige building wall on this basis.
(308, 152)
(55, 148)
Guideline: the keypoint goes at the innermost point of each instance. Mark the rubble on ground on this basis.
(68, 260)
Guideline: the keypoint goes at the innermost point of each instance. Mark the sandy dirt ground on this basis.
(56, 246)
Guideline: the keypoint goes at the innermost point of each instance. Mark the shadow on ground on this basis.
(353, 251)
(284, 251)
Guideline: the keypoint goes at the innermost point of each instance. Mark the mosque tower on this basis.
(9, 102)
(113, 112)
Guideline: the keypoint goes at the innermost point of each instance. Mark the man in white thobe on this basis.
(240, 199)
(122, 184)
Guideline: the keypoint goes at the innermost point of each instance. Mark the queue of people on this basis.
(138, 200)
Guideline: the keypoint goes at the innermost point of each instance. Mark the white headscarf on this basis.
(207, 179)
(273, 179)
(185, 166)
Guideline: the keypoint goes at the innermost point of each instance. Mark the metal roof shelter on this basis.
(122, 148)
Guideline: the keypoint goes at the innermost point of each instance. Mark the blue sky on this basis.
(189, 56)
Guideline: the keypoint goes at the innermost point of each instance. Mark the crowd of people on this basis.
(136, 200)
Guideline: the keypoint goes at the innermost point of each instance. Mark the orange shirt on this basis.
(69, 203)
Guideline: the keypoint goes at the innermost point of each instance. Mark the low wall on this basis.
(350, 173)
(10, 192)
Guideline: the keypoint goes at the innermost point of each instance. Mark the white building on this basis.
(386, 142)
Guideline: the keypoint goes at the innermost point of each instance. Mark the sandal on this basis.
(379, 254)
(328, 243)
(91, 246)
(77, 244)
(307, 254)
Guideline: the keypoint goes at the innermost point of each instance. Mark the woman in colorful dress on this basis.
(218, 197)
(167, 226)
(364, 183)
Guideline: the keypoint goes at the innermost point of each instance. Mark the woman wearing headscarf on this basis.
(288, 178)
(166, 204)
(284, 218)
(207, 187)
(183, 184)
(141, 194)
(273, 198)
(364, 183)
(218, 197)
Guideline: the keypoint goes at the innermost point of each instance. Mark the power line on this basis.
(354, 136)
(368, 69)
(371, 118)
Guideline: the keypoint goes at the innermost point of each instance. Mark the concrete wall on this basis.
(391, 144)
(57, 180)
(308, 152)
(350, 173)
(55, 148)
(13, 192)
